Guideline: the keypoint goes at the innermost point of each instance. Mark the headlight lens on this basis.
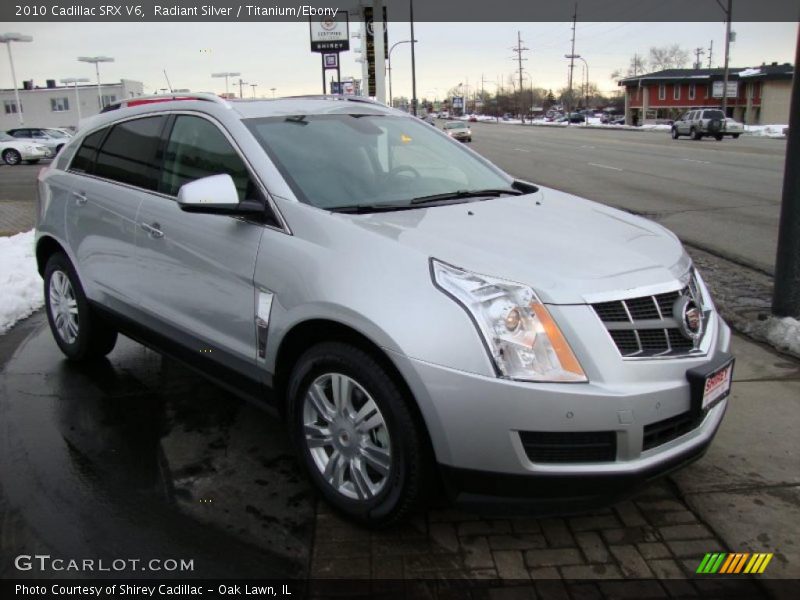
(520, 335)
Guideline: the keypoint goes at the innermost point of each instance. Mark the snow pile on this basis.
(783, 333)
(749, 72)
(20, 284)
(772, 131)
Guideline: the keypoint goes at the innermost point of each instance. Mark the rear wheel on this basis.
(11, 157)
(78, 331)
(696, 135)
(718, 137)
(355, 434)
(735, 136)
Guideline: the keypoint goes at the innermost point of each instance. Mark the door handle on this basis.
(153, 230)
(80, 198)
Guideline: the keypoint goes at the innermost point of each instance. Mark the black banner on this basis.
(12, 11)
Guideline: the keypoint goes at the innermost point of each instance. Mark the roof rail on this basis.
(154, 99)
(346, 97)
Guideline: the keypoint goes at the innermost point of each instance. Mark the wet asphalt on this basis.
(120, 459)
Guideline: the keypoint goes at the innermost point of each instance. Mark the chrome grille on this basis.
(645, 326)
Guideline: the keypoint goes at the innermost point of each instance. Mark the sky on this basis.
(278, 55)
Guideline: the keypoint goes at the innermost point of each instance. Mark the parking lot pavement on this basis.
(17, 198)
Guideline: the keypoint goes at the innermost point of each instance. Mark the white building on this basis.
(56, 105)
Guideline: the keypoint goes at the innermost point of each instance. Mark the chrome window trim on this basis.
(251, 171)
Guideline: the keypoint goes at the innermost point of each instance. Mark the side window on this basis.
(196, 149)
(129, 153)
(84, 157)
(22, 133)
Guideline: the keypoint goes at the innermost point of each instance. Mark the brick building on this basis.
(756, 95)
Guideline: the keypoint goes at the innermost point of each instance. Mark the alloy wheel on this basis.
(347, 436)
(63, 307)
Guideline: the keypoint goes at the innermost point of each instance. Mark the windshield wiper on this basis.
(369, 208)
(459, 194)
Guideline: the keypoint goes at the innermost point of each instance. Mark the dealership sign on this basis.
(331, 34)
(733, 89)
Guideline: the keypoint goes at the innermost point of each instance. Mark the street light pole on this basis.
(96, 60)
(728, 14)
(389, 67)
(76, 80)
(7, 38)
(254, 86)
(273, 92)
(413, 60)
(226, 75)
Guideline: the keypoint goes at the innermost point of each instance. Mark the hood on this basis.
(566, 248)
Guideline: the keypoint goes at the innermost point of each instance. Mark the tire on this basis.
(696, 135)
(11, 157)
(675, 134)
(718, 137)
(377, 487)
(32, 162)
(714, 126)
(79, 332)
(735, 136)
(59, 147)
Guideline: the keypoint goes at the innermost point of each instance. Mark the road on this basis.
(720, 196)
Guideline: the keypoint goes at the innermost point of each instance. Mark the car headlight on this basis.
(521, 337)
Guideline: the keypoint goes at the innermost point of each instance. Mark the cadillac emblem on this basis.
(689, 318)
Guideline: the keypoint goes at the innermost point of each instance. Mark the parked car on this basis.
(698, 124)
(54, 139)
(458, 130)
(413, 312)
(472, 119)
(572, 118)
(14, 151)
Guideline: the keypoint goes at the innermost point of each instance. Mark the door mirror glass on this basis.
(216, 193)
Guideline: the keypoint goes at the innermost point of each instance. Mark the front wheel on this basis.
(675, 134)
(80, 334)
(11, 157)
(355, 434)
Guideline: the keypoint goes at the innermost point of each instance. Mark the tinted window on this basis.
(84, 157)
(713, 114)
(21, 133)
(196, 149)
(129, 153)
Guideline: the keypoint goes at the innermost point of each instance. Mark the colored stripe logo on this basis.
(734, 563)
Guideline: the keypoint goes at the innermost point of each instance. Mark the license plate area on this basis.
(710, 384)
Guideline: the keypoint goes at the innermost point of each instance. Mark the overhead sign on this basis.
(458, 102)
(331, 34)
(733, 89)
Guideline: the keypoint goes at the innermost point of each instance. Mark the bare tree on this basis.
(668, 57)
(636, 66)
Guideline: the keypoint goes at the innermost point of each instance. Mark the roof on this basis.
(773, 71)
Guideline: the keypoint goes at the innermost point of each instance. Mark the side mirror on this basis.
(215, 195)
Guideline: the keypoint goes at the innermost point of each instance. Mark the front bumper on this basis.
(476, 423)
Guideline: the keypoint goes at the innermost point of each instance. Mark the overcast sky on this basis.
(277, 54)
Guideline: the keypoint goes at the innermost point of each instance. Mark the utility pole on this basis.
(571, 62)
(710, 52)
(254, 86)
(728, 15)
(518, 51)
(786, 295)
(413, 62)
(697, 53)
(241, 83)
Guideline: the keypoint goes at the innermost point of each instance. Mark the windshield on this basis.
(346, 160)
(55, 133)
(4, 137)
(455, 126)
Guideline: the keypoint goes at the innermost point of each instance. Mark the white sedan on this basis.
(14, 151)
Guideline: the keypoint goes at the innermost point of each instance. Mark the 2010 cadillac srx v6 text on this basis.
(415, 314)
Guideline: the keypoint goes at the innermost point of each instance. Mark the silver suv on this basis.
(414, 313)
(706, 122)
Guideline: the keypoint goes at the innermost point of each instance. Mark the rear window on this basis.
(713, 114)
(128, 154)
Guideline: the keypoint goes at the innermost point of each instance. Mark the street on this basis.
(720, 196)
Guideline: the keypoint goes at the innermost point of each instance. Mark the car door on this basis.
(195, 271)
(113, 170)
